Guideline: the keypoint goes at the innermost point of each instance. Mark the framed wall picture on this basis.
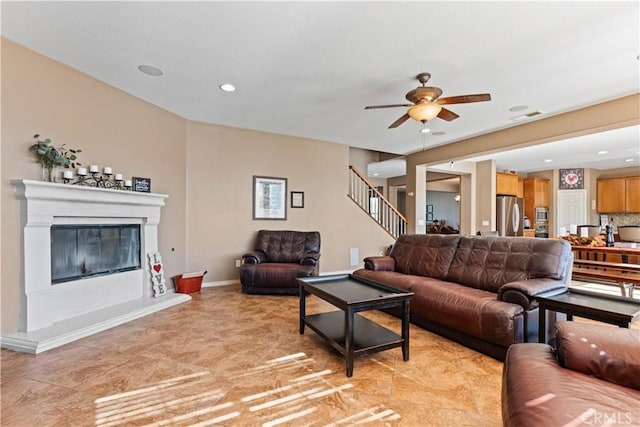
(430, 216)
(429, 208)
(297, 199)
(572, 179)
(269, 198)
(142, 185)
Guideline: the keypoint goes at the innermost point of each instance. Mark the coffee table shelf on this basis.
(368, 337)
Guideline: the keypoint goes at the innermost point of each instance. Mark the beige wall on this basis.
(485, 195)
(206, 170)
(220, 226)
(111, 127)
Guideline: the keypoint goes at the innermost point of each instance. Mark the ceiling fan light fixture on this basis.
(424, 111)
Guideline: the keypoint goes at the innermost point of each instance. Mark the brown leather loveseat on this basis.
(479, 291)
(592, 379)
(279, 258)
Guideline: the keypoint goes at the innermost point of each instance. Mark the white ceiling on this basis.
(309, 68)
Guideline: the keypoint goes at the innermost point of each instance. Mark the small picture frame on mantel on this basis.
(141, 185)
(297, 199)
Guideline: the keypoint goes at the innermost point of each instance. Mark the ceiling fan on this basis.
(427, 104)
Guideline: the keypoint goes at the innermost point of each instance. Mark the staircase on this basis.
(370, 200)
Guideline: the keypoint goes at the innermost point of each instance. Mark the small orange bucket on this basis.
(188, 285)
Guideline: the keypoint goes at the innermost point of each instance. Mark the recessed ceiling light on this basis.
(519, 108)
(438, 133)
(227, 87)
(150, 70)
(629, 160)
(603, 152)
(376, 174)
(548, 160)
(425, 130)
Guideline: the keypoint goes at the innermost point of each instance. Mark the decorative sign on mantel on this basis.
(142, 185)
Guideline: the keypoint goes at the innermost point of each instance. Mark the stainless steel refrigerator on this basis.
(509, 215)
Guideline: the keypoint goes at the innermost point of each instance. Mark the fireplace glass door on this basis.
(80, 251)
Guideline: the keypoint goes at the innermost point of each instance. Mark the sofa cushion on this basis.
(488, 263)
(394, 279)
(424, 254)
(471, 311)
(609, 353)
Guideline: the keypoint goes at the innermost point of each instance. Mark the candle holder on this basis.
(100, 180)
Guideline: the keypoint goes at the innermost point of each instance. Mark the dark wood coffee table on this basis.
(351, 334)
(611, 309)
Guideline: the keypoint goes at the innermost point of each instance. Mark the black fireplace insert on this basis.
(81, 251)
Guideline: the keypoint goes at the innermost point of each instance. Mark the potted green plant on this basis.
(50, 157)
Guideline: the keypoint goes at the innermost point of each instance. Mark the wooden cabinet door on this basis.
(610, 195)
(506, 184)
(632, 194)
(542, 192)
(520, 192)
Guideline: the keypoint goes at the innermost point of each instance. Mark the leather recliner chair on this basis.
(279, 258)
(592, 378)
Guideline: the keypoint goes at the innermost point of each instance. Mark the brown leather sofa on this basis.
(592, 379)
(479, 291)
(279, 258)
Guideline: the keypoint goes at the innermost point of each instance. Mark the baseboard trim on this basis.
(220, 283)
(237, 281)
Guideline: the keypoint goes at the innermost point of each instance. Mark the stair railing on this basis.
(370, 200)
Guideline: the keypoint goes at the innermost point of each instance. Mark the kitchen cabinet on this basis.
(632, 194)
(520, 188)
(536, 194)
(529, 233)
(506, 184)
(618, 194)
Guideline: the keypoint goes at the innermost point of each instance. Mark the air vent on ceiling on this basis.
(526, 116)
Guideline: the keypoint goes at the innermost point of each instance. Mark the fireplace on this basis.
(84, 262)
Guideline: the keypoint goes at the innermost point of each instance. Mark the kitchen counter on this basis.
(611, 254)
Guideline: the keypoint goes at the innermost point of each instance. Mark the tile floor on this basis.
(231, 359)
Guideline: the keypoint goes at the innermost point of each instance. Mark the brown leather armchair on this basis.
(279, 258)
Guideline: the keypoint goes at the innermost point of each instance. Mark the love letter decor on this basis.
(157, 274)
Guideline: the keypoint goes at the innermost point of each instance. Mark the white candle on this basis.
(127, 183)
(82, 171)
(67, 175)
(93, 168)
(107, 170)
(118, 177)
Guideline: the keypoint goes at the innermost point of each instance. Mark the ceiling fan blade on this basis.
(400, 121)
(463, 99)
(447, 115)
(373, 107)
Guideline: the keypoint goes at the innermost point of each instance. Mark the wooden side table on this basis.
(590, 305)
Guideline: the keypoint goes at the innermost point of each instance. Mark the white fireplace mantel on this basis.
(52, 315)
